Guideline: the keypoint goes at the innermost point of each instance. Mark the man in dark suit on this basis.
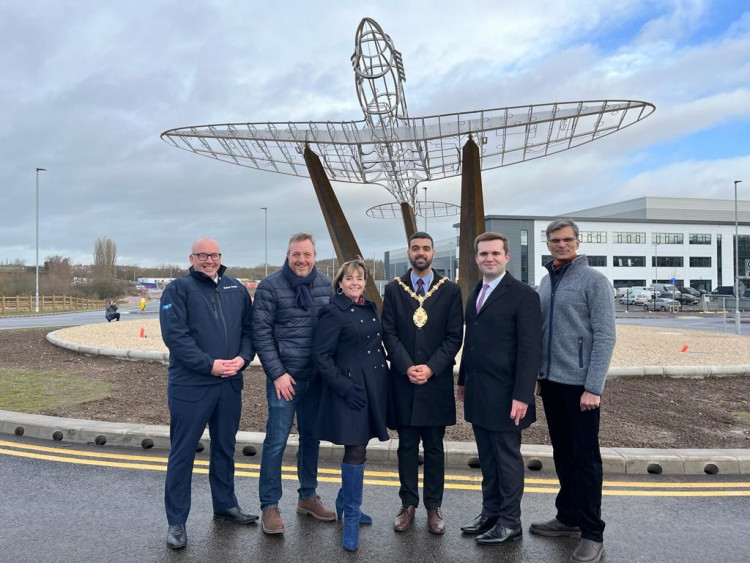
(422, 332)
(206, 319)
(496, 382)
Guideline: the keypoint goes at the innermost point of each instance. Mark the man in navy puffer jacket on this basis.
(285, 313)
(206, 319)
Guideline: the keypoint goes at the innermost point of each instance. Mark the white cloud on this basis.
(88, 88)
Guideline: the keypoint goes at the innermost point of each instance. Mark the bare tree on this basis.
(105, 256)
(57, 276)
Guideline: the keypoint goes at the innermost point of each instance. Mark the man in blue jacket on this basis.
(206, 319)
(285, 314)
(578, 341)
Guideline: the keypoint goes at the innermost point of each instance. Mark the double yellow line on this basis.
(377, 478)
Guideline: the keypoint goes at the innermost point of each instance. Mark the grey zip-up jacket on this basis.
(578, 311)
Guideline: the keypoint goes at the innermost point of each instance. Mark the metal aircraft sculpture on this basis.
(398, 152)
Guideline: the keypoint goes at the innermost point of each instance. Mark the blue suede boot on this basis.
(363, 518)
(351, 481)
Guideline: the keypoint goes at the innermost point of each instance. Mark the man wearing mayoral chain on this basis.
(422, 332)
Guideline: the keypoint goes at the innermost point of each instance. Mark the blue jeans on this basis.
(280, 417)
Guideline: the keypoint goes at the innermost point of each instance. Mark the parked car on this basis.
(685, 298)
(663, 304)
(692, 291)
(659, 288)
(637, 297)
(723, 290)
(667, 289)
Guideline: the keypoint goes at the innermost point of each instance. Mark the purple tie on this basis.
(420, 287)
(482, 295)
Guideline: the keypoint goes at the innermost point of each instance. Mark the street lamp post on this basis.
(425, 207)
(36, 275)
(736, 263)
(265, 236)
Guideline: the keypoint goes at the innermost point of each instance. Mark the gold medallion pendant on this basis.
(420, 317)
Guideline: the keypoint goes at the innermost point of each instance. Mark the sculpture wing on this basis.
(422, 148)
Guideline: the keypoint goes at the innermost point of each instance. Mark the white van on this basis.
(661, 288)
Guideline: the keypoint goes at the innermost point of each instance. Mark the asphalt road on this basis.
(79, 503)
(714, 322)
(75, 319)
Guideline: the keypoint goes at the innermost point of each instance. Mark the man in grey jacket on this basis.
(578, 340)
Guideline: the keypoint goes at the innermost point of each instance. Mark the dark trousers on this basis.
(434, 465)
(502, 474)
(191, 407)
(575, 443)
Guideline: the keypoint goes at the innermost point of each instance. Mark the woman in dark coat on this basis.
(349, 356)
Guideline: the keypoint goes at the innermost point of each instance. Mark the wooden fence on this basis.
(47, 304)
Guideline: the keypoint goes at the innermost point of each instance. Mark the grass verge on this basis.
(742, 415)
(31, 392)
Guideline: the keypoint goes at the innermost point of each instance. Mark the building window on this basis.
(718, 258)
(705, 285)
(699, 238)
(667, 261)
(597, 261)
(628, 261)
(666, 238)
(593, 236)
(629, 283)
(525, 256)
(546, 258)
(544, 235)
(743, 245)
(700, 261)
(629, 238)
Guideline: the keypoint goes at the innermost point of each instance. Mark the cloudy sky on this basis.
(87, 88)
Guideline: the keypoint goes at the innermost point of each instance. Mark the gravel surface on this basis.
(636, 346)
(638, 412)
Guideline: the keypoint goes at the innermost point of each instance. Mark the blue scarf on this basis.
(301, 285)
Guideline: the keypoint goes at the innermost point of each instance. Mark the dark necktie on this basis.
(420, 287)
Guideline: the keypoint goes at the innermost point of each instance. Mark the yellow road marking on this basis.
(377, 478)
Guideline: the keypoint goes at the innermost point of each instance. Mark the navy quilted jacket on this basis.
(283, 333)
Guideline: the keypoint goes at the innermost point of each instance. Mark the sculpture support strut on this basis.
(344, 244)
(472, 216)
(410, 220)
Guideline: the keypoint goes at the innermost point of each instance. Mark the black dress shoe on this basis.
(480, 525)
(235, 515)
(176, 537)
(499, 535)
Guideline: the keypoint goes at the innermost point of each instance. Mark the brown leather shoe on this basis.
(404, 518)
(554, 529)
(588, 551)
(435, 522)
(271, 521)
(315, 508)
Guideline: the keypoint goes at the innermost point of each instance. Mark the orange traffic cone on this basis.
(684, 348)
(143, 333)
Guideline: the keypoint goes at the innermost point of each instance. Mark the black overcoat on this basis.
(348, 349)
(436, 344)
(501, 355)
